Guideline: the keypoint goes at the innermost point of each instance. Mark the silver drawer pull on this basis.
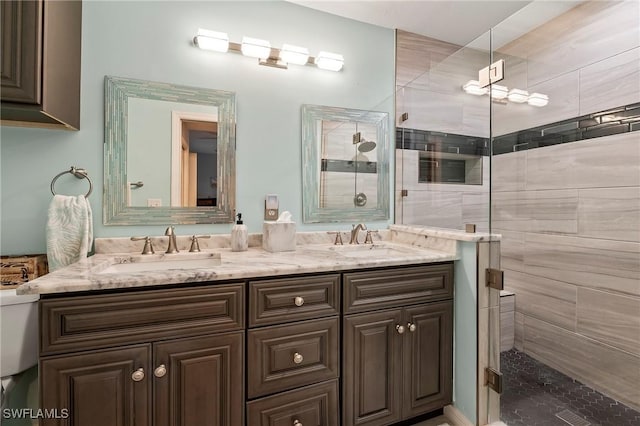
(299, 301)
(297, 358)
(137, 375)
(400, 329)
(296, 422)
(411, 326)
(160, 371)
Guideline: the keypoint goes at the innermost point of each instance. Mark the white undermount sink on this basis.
(160, 262)
(368, 250)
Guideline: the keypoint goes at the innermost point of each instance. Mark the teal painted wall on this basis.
(465, 325)
(152, 41)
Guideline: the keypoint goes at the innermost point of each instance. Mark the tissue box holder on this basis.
(278, 237)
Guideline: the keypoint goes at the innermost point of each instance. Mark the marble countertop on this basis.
(315, 253)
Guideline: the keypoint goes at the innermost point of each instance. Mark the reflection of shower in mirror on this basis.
(366, 146)
(362, 145)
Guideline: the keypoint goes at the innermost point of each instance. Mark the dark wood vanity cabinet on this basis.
(40, 56)
(148, 376)
(398, 360)
(357, 348)
(293, 351)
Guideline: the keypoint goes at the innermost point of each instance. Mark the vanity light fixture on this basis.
(472, 87)
(267, 55)
(329, 61)
(294, 54)
(255, 48)
(499, 92)
(518, 96)
(538, 99)
(502, 94)
(212, 40)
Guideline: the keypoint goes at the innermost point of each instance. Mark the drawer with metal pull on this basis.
(286, 356)
(315, 405)
(292, 299)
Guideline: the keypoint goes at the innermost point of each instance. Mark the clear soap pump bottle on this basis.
(239, 235)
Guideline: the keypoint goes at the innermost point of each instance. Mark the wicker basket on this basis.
(15, 270)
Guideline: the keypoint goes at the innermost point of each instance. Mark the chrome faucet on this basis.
(172, 247)
(354, 232)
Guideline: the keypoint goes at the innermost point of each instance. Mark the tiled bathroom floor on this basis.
(533, 394)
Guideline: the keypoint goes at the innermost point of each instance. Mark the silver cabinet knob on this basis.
(137, 375)
(297, 358)
(160, 371)
(299, 301)
(296, 422)
(400, 329)
(411, 326)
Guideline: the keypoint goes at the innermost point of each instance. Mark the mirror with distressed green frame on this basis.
(125, 129)
(345, 160)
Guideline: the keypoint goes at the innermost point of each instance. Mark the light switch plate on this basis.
(271, 207)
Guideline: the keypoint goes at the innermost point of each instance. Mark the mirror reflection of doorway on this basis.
(194, 160)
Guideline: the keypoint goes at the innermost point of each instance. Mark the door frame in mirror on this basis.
(116, 210)
(312, 212)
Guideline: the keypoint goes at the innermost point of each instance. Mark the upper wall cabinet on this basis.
(40, 56)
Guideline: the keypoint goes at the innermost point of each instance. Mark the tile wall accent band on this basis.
(426, 140)
(348, 166)
(610, 122)
(605, 123)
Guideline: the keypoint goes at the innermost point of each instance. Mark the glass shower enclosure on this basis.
(547, 160)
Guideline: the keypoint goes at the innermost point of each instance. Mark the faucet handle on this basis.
(367, 238)
(148, 247)
(195, 246)
(338, 240)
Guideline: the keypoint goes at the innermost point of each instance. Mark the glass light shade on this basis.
(212, 40)
(518, 96)
(472, 87)
(538, 99)
(294, 54)
(499, 92)
(255, 48)
(329, 61)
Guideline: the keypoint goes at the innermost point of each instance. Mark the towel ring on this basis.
(77, 172)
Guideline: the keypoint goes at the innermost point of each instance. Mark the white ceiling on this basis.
(455, 21)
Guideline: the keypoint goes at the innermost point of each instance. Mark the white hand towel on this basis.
(69, 230)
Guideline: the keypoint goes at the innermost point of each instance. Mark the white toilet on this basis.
(18, 334)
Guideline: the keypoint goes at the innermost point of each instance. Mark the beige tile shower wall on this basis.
(429, 77)
(569, 216)
(586, 60)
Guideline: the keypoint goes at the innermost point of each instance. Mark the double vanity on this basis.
(325, 335)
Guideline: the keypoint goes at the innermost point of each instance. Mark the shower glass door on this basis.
(442, 134)
(565, 198)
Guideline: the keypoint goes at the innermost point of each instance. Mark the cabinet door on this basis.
(202, 382)
(428, 370)
(97, 388)
(21, 51)
(372, 352)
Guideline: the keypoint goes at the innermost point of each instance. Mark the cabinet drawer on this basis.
(86, 322)
(287, 356)
(364, 291)
(315, 405)
(292, 299)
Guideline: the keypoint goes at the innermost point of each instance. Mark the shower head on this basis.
(366, 146)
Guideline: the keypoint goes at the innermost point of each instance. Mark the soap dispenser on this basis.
(239, 235)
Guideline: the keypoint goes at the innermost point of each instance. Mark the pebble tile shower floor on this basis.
(535, 395)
